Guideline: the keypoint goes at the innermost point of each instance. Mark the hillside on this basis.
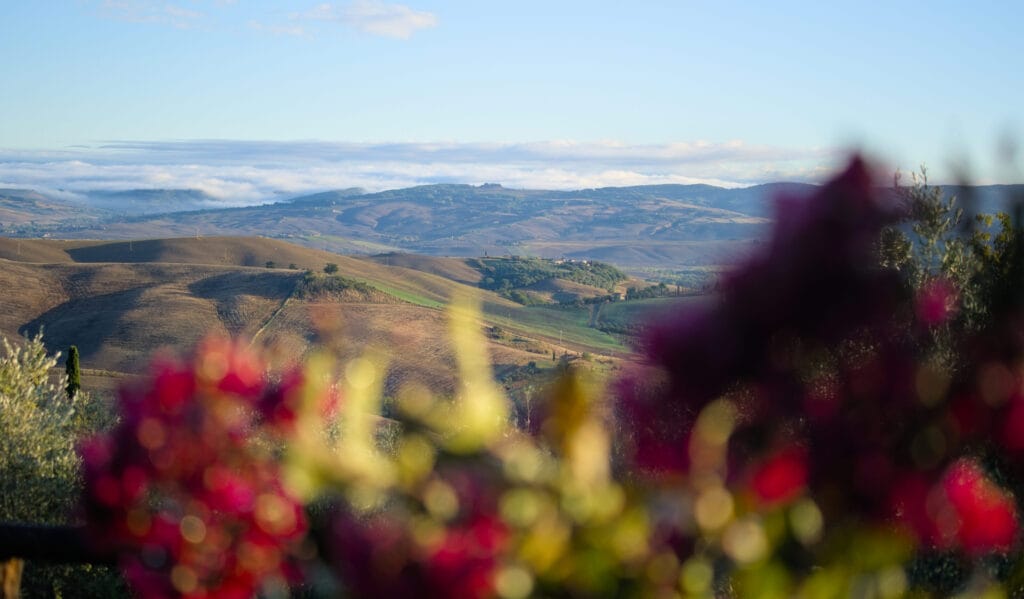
(29, 212)
(117, 314)
(119, 302)
(134, 202)
(659, 226)
(465, 220)
(456, 269)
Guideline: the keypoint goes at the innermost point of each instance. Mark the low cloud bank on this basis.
(251, 172)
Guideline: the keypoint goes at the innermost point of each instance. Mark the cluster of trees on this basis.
(313, 284)
(651, 291)
(976, 260)
(506, 274)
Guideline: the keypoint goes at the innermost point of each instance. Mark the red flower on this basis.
(984, 516)
(463, 564)
(179, 491)
(781, 478)
(281, 406)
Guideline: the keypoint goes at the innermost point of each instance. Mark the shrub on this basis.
(312, 285)
(38, 429)
(40, 424)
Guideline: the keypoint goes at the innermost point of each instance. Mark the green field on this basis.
(570, 325)
(620, 315)
(404, 295)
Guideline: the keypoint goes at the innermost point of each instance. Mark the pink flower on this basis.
(193, 508)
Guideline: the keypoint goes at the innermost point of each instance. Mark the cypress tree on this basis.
(74, 373)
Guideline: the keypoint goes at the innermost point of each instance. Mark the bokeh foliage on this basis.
(845, 417)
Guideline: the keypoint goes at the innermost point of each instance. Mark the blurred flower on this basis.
(936, 302)
(981, 516)
(394, 554)
(180, 490)
(281, 405)
(817, 283)
(781, 478)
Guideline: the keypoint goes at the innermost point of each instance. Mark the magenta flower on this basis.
(937, 302)
(179, 490)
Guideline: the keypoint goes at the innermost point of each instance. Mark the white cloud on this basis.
(292, 29)
(248, 172)
(152, 11)
(368, 16)
(373, 17)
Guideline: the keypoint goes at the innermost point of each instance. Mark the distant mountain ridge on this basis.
(134, 202)
(665, 226)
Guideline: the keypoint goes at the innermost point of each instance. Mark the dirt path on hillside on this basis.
(270, 319)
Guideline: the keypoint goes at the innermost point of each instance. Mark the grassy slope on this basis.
(40, 250)
(119, 302)
(117, 314)
(455, 269)
(622, 314)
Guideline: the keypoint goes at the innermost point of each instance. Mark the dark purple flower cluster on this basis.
(821, 350)
(407, 552)
(380, 556)
(813, 284)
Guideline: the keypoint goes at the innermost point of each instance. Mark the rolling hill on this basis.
(28, 211)
(465, 220)
(659, 226)
(134, 202)
(119, 302)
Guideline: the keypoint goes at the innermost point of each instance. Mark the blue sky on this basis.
(560, 94)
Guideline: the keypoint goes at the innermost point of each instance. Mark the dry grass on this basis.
(120, 303)
(39, 250)
(119, 314)
(455, 269)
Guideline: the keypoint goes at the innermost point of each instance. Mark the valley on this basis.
(120, 302)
